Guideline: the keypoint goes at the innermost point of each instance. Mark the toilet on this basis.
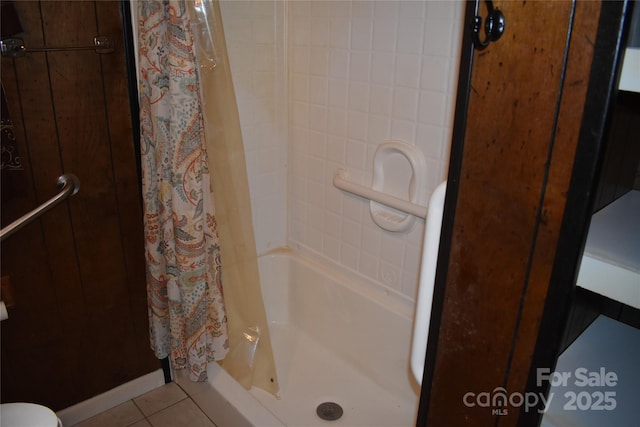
(27, 415)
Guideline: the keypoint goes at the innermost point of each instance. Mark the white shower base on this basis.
(309, 374)
(334, 339)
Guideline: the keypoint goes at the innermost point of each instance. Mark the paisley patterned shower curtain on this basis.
(186, 308)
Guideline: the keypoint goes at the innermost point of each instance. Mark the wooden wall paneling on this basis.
(627, 116)
(84, 141)
(623, 151)
(610, 182)
(586, 306)
(562, 151)
(29, 285)
(57, 232)
(124, 158)
(508, 127)
(601, 93)
(585, 309)
(507, 215)
(41, 328)
(66, 254)
(17, 204)
(78, 271)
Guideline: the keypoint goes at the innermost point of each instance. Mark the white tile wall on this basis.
(254, 32)
(357, 73)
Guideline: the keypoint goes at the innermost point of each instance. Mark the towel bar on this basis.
(14, 47)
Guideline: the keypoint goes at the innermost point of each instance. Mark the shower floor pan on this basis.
(309, 375)
(335, 339)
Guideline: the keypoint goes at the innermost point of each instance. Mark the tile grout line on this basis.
(146, 417)
(195, 403)
(139, 409)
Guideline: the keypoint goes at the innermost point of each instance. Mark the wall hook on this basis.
(493, 26)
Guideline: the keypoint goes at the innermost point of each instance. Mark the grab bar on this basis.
(14, 47)
(340, 181)
(70, 185)
(426, 281)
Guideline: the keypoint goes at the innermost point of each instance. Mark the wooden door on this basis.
(78, 326)
(528, 136)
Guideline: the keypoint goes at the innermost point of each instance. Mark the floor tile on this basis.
(190, 387)
(141, 423)
(183, 414)
(160, 398)
(121, 416)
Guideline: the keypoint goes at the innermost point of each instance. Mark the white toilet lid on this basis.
(27, 415)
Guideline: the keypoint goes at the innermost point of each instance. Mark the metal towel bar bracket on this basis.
(69, 185)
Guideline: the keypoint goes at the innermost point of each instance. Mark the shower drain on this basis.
(329, 411)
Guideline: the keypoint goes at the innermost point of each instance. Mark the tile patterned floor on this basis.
(166, 406)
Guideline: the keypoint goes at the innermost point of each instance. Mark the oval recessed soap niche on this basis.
(399, 169)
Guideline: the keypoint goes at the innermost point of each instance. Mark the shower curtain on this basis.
(186, 310)
(191, 77)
